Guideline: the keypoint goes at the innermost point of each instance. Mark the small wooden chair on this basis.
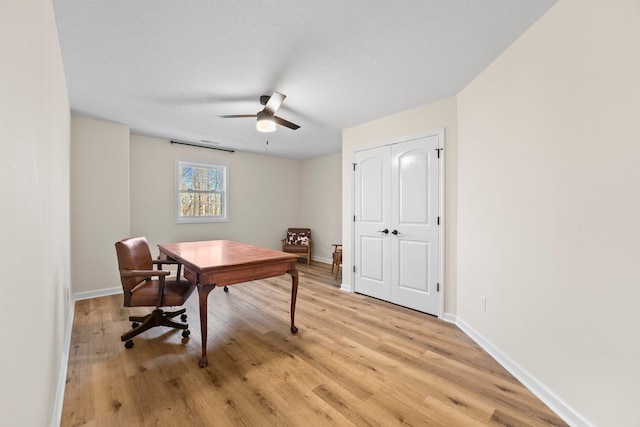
(337, 258)
(298, 241)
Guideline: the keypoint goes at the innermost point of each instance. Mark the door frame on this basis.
(441, 208)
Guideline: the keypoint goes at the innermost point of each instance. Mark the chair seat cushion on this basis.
(296, 249)
(297, 238)
(175, 293)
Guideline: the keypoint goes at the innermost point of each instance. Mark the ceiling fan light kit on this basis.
(265, 122)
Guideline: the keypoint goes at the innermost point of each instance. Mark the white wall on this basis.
(264, 194)
(321, 203)
(549, 206)
(99, 201)
(441, 114)
(34, 163)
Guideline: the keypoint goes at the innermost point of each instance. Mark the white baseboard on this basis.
(322, 260)
(98, 293)
(346, 288)
(450, 318)
(56, 417)
(542, 392)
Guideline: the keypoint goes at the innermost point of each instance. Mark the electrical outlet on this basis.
(483, 303)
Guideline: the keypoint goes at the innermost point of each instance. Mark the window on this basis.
(201, 193)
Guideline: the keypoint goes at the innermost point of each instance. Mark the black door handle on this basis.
(395, 232)
(385, 231)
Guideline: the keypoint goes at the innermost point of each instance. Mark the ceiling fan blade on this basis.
(275, 101)
(236, 116)
(285, 123)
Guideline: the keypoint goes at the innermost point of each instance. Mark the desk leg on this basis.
(294, 294)
(203, 294)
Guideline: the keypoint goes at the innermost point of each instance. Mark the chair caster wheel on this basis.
(186, 333)
(226, 289)
(183, 317)
(128, 344)
(135, 324)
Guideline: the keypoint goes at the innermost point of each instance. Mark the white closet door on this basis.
(372, 218)
(414, 218)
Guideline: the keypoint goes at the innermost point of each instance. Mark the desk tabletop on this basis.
(213, 254)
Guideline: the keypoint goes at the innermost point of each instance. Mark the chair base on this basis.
(157, 317)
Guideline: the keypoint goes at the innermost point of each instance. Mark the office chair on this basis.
(140, 290)
(298, 241)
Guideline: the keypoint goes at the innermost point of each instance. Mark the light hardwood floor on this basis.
(356, 361)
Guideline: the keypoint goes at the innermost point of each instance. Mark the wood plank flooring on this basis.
(356, 361)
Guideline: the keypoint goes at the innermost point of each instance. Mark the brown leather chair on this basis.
(298, 241)
(337, 258)
(140, 290)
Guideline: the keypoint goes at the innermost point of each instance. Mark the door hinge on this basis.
(354, 167)
(438, 220)
(438, 287)
(354, 268)
(438, 151)
(354, 218)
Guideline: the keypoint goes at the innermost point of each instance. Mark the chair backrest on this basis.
(133, 254)
(298, 236)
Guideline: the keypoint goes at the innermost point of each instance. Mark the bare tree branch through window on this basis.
(201, 192)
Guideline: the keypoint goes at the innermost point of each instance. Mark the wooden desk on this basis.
(218, 263)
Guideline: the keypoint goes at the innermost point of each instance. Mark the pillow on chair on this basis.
(298, 239)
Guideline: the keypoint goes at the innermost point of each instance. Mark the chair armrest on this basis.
(164, 261)
(159, 262)
(145, 273)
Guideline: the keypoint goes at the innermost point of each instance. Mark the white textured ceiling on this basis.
(166, 68)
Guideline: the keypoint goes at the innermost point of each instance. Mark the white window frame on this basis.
(180, 219)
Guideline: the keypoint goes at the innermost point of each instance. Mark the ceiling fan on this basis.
(266, 118)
